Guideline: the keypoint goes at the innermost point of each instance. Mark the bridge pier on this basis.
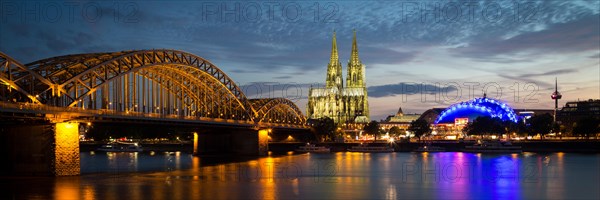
(66, 149)
(40, 149)
(237, 142)
(263, 142)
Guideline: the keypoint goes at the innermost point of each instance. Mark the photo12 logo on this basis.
(453, 172)
(279, 11)
(424, 92)
(454, 92)
(467, 11)
(291, 91)
(70, 11)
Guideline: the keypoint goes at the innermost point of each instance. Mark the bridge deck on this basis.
(61, 114)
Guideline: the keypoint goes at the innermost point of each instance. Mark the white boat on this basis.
(430, 148)
(121, 147)
(368, 149)
(493, 147)
(313, 149)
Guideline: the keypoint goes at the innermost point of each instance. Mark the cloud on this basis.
(20, 29)
(527, 80)
(553, 72)
(408, 88)
(82, 38)
(384, 56)
(574, 36)
(282, 77)
(242, 71)
(52, 41)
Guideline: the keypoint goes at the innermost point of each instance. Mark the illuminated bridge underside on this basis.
(277, 110)
(159, 82)
(475, 108)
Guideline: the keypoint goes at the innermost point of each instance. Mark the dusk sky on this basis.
(419, 55)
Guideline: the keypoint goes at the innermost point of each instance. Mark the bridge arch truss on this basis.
(277, 110)
(161, 82)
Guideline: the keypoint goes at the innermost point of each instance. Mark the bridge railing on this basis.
(44, 109)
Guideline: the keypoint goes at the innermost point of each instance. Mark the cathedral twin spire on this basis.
(355, 74)
(354, 55)
(334, 69)
(334, 59)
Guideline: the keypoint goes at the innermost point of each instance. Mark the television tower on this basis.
(556, 96)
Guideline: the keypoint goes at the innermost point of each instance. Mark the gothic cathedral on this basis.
(347, 104)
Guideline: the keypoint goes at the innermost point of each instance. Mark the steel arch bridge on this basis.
(152, 82)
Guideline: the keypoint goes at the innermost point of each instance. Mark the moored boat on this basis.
(313, 149)
(121, 147)
(371, 149)
(430, 148)
(493, 147)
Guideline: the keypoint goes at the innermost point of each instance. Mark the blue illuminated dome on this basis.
(476, 108)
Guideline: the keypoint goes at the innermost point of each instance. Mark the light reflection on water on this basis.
(451, 175)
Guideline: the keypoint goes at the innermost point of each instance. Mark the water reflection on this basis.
(444, 175)
(68, 188)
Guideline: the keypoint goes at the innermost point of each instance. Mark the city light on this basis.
(477, 107)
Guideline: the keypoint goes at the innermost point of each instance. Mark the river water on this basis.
(345, 175)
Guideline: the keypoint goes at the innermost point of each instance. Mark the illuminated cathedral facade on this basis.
(343, 104)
